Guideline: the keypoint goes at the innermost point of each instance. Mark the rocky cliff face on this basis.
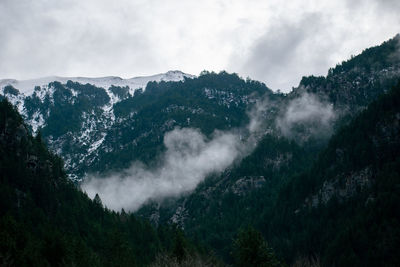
(341, 188)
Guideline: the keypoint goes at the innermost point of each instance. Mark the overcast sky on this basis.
(276, 42)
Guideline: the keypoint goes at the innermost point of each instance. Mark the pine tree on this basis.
(250, 249)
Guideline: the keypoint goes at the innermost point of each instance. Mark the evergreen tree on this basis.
(180, 247)
(250, 249)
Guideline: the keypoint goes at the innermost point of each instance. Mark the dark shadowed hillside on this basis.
(345, 209)
(46, 221)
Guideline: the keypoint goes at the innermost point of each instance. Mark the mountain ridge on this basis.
(27, 86)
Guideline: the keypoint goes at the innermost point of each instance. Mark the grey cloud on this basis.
(306, 116)
(385, 6)
(289, 50)
(41, 38)
(390, 5)
(188, 159)
(257, 116)
(301, 43)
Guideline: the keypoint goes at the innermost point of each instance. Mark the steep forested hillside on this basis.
(341, 211)
(46, 221)
(261, 188)
(241, 196)
(345, 209)
(210, 102)
(96, 129)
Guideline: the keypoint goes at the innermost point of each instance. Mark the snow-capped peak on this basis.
(27, 86)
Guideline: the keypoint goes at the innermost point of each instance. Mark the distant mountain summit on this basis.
(27, 86)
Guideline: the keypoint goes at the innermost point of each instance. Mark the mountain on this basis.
(248, 192)
(36, 91)
(96, 129)
(74, 117)
(46, 221)
(339, 209)
(344, 209)
(354, 83)
(314, 170)
(27, 87)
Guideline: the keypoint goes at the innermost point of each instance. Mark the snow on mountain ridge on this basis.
(27, 86)
(94, 126)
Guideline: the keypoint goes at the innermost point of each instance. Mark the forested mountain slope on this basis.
(46, 221)
(345, 209)
(354, 83)
(96, 129)
(248, 192)
(341, 211)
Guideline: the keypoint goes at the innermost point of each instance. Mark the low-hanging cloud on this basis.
(306, 116)
(188, 159)
(256, 115)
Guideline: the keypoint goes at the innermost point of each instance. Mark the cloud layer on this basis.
(188, 159)
(272, 41)
(306, 116)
